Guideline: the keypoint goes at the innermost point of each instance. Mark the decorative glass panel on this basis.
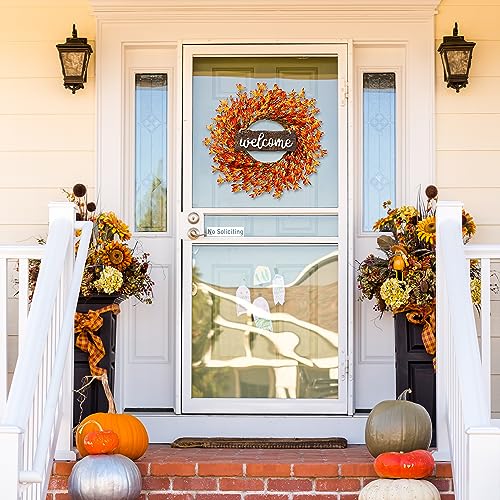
(379, 144)
(265, 321)
(215, 80)
(151, 152)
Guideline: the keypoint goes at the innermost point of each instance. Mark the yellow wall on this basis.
(468, 123)
(46, 133)
(468, 135)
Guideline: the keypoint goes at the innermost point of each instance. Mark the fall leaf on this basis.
(294, 111)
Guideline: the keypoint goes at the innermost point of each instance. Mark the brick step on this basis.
(227, 474)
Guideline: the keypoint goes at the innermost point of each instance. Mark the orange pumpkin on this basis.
(132, 435)
(101, 442)
(412, 465)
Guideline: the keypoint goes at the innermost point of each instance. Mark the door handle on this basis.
(194, 233)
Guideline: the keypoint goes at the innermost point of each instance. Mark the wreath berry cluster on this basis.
(243, 172)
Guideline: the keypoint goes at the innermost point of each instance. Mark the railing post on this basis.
(64, 448)
(483, 479)
(446, 211)
(11, 440)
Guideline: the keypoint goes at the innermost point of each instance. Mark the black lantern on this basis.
(74, 56)
(456, 56)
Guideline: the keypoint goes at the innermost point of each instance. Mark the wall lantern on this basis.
(456, 56)
(74, 56)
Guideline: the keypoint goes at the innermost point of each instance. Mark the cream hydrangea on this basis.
(110, 280)
(394, 293)
(475, 290)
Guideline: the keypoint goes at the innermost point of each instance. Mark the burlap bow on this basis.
(86, 327)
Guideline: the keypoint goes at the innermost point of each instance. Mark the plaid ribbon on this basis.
(426, 316)
(86, 327)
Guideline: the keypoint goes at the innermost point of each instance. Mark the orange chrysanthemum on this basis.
(117, 255)
(243, 172)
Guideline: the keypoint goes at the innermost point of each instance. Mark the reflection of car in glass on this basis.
(293, 353)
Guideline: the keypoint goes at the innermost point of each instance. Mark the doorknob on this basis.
(194, 233)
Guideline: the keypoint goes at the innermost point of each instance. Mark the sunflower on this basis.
(468, 226)
(426, 230)
(407, 212)
(108, 221)
(117, 255)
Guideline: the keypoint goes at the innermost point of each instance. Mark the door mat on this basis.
(277, 443)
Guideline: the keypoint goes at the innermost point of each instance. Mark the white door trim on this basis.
(168, 22)
(346, 10)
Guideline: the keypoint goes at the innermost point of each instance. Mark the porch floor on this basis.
(256, 474)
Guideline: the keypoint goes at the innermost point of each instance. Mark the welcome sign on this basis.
(265, 140)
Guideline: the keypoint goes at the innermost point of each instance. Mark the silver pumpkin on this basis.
(105, 477)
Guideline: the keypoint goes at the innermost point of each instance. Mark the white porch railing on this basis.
(464, 431)
(36, 415)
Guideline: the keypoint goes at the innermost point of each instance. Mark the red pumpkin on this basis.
(101, 442)
(412, 465)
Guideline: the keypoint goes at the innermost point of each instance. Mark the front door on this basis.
(263, 228)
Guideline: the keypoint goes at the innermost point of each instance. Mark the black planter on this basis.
(414, 368)
(96, 400)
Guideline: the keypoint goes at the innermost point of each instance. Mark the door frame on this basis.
(341, 49)
(371, 24)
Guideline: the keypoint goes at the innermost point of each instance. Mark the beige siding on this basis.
(468, 135)
(468, 123)
(47, 133)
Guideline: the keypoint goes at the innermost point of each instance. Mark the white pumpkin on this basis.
(399, 489)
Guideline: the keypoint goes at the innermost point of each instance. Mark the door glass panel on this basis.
(265, 321)
(271, 225)
(379, 144)
(216, 78)
(151, 152)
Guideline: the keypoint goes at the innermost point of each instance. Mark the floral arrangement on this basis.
(403, 277)
(113, 267)
(292, 109)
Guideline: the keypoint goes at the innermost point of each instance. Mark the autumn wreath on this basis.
(244, 173)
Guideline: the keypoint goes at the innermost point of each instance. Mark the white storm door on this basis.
(264, 299)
